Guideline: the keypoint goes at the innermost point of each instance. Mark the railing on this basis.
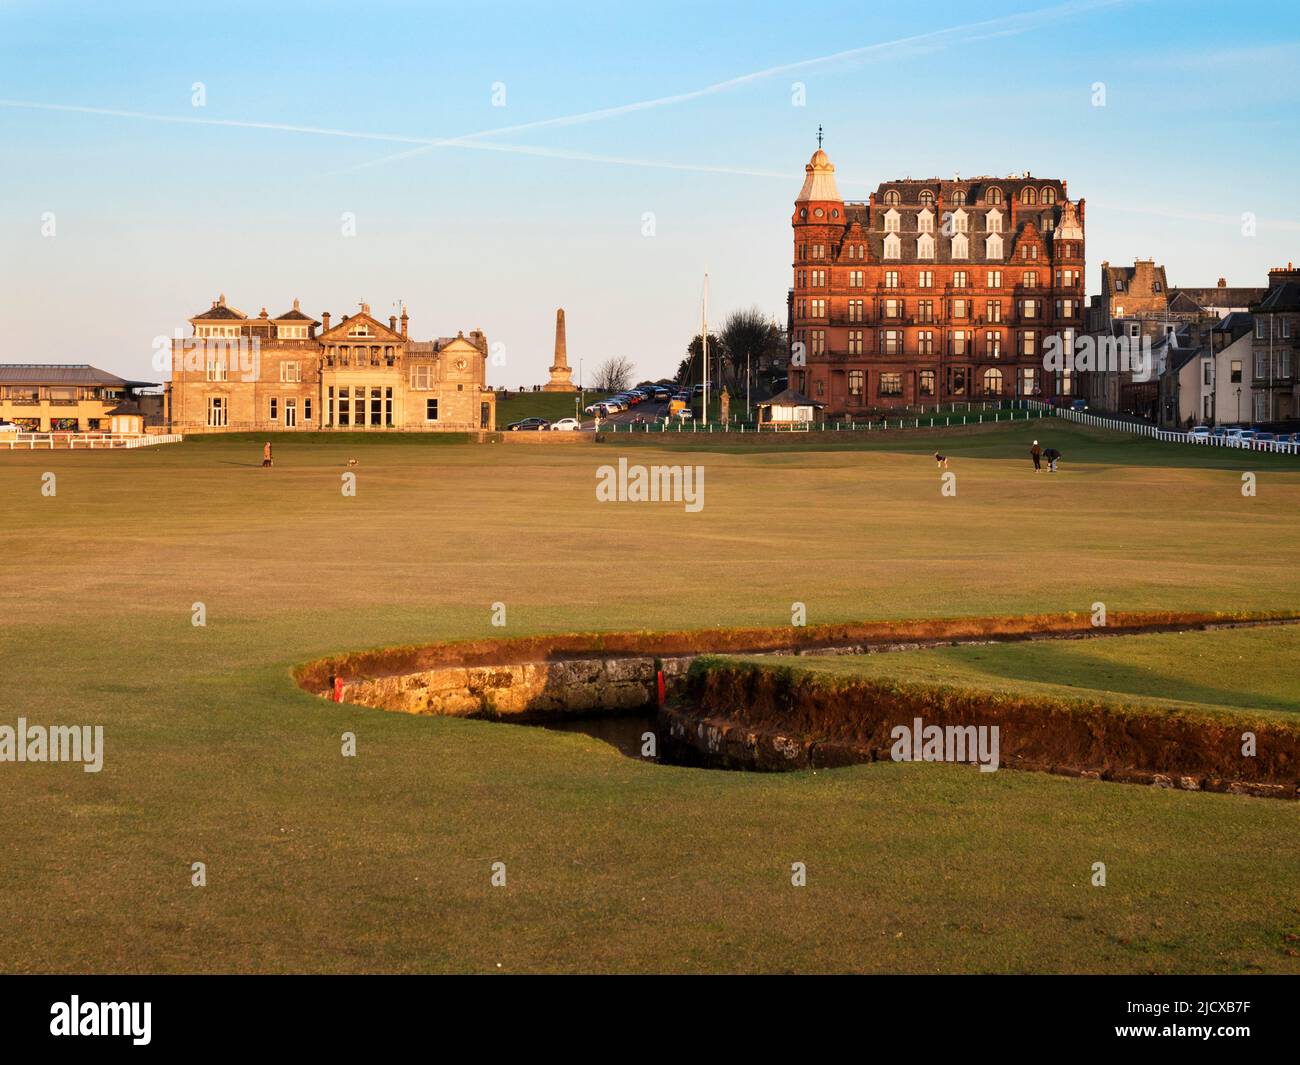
(105, 441)
(1174, 436)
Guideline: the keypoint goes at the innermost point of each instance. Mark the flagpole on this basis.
(704, 340)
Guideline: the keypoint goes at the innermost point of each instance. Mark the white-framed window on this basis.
(925, 246)
(892, 221)
(1261, 407)
(290, 372)
(891, 279)
(818, 337)
(1259, 329)
(430, 410)
(960, 247)
(817, 308)
(993, 221)
(217, 368)
(925, 222)
(925, 279)
(218, 412)
(421, 377)
(274, 408)
(1028, 343)
(855, 341)
(893, 247)
(857, 278)
(993, 247)
(291, 332)
(857, 309)
(993, 310)
(993, 279)
(891, 342)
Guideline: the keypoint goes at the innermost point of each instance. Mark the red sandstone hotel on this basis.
(933, 291)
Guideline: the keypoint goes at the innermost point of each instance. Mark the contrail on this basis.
(997, 27)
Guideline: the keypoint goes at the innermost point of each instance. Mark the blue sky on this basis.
(153, 218)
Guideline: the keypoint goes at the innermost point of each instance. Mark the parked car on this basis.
(1079, 405)
(566, 425)
(593, 408)
(9, 427)
(685, 414)
(527, 424)
(1242, 437)
(1200, 432)
(1262, 439)
(1220, 431)
(662, 395)
(1288, 438)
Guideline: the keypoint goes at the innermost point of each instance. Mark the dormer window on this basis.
(927, 198)
(892, 198)
(1028, 195)
(1119, 285)
(959, 197)
(994, 195)
(892, 221)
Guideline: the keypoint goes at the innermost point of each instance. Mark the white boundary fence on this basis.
(102, 441)
(1174, 436)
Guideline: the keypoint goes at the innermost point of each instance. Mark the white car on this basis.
(565, 425)
(9, 427)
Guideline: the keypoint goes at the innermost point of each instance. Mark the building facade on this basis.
(1275, 346)
(76, 398)
(1137, 305)
(933, 291)
(292, 373)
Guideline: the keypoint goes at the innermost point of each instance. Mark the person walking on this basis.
(1053, 457)
(1035, 453)
(266, 454)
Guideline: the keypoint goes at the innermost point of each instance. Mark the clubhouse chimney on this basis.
(325, 321)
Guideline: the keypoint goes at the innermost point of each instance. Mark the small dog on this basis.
(941, 460)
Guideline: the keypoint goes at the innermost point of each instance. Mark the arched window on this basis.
(1049, 194)
(992, 381)
(892, 198)
(1028, 195)
(959, 197)
(927, 197)
(994, 195)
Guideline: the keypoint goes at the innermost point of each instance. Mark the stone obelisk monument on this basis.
(561, 374)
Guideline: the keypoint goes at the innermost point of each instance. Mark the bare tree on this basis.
(749, 339)
(614, 374)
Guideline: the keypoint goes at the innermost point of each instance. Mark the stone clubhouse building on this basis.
(933, 291)
(293, 373)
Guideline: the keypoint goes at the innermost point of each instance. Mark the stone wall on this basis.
(521, 691)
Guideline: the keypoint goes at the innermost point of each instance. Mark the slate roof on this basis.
(32, 373)
(1281, 298)
(790, 398)
(1220, 298)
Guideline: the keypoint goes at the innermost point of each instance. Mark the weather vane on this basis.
(819, 135)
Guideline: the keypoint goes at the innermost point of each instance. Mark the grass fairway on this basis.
(381, 862)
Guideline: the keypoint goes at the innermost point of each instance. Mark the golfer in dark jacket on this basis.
(1052, 456)
(1036, 453)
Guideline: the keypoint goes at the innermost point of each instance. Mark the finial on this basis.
(819, 135)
